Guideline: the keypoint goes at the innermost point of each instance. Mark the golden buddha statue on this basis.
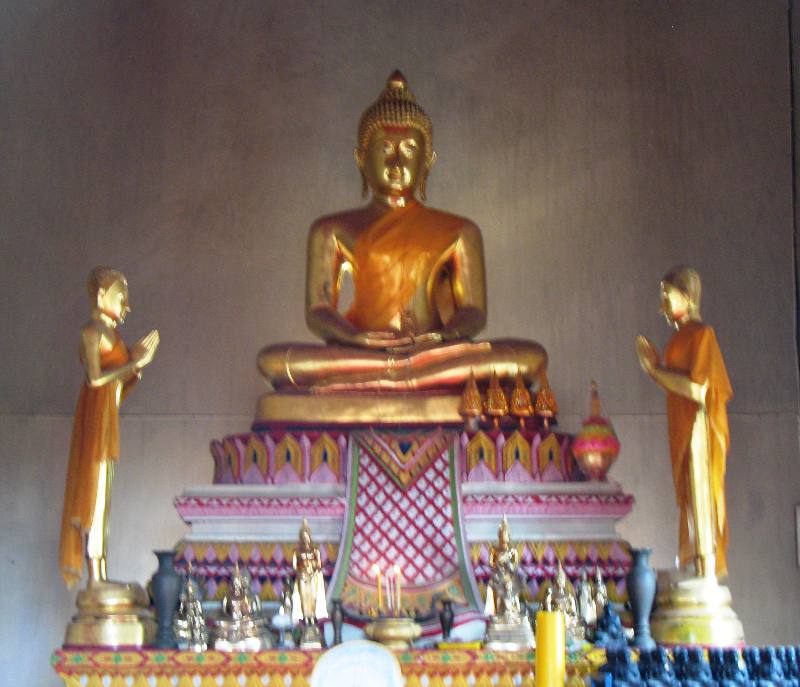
(694, 608)
(110, 613)
(419, 291)
(308, 594)
(698, 389)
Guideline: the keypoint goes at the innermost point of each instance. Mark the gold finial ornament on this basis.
(521, 401)
(471, 402)
(496, 401)
(546, 405)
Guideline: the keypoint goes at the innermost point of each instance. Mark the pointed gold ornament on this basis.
(471, 403)
(521, 401)
(546, 405)
(496, 401)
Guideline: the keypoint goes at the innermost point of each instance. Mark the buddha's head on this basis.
(395, 146)
(680, 295)
(108, 293)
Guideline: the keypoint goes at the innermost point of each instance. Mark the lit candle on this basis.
(377, 572)
(551, 669)
(399, 585)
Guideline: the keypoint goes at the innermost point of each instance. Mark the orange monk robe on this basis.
(393, 258)
(95, 438)
(693, 350)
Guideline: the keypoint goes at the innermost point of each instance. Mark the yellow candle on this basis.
(377, 572)
(551, 667)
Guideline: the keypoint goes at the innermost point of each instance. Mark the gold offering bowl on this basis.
(396, 633)
(595, 465)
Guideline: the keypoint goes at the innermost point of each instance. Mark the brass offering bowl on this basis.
(396, 633)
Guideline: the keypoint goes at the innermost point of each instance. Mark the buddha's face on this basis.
(113, 301)
(675, 304)
(394, 161)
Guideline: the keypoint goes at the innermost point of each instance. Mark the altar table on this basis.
(277, 668)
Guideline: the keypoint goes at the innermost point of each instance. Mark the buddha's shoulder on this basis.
(345, 221)
(452, 219)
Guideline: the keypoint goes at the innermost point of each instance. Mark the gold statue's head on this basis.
(395, 143)
(680, 295)
(305, 534)
(108, 293)
(503, 533)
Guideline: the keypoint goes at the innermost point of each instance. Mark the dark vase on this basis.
(446, 618)
(337, 618)
(166, 588)
(641, 583)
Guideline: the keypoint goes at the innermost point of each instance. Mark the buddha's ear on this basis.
(359, 158)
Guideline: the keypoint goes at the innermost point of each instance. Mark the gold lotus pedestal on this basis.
(396, 633)
(111, 614)
(694, 610)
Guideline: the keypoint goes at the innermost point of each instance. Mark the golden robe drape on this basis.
(693, 350)
(393, 258)
(95, 438)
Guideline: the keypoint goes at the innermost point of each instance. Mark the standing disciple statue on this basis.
(419, 290)
(694, 376)
(308, 595)
(698, 389)
(110, 371)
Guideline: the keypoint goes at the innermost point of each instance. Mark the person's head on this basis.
(680, 295)
(395, 143)
(108, 293)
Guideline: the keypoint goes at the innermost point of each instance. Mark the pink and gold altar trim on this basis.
(154, 668)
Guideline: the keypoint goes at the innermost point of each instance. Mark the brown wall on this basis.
(191, 144)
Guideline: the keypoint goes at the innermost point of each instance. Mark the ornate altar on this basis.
(426, 498)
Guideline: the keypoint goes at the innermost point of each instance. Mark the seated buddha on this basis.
(419, 289)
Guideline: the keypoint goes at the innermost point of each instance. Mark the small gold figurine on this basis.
(587, 610)
(600, 592)
(240, 625)
(546, 405)
(110, 613)
(508, 628)
(694, 376)
(521, 402)
(564, 601)
(496, 401)
(471, 403)
(308, 594)
(189, 623)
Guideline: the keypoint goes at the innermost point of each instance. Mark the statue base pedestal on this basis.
(503, 635)
(694, 610)
(374, 408)
(311, 637)
(396, 633)
(111, 614)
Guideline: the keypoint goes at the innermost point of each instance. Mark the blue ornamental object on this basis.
(641, 584)
(609, 633)
(165, 587)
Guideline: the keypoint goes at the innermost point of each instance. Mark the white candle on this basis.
(399, 584)
(387, 582)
